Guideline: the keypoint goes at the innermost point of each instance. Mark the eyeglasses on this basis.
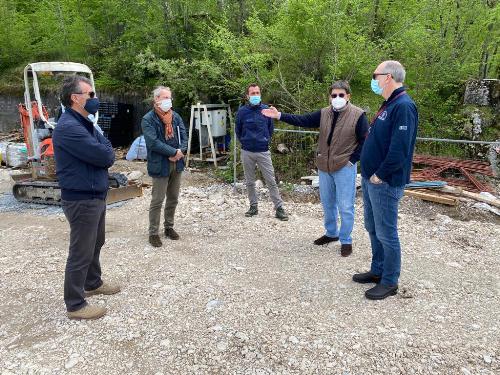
(91, 94)
(339, 95)
(374, 76)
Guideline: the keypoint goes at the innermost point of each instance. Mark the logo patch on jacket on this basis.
(382, 116)
(403, 127)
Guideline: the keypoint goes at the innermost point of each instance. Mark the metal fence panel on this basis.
(293, 152)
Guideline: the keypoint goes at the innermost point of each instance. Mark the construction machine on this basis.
(41, 186)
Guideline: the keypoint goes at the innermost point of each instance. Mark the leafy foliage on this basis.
(209, 50)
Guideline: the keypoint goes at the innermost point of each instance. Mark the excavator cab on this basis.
(42, 186)
(35, 120)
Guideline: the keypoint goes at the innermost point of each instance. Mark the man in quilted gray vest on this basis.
(342, 131)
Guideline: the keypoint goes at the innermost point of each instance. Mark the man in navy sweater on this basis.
(83, 156)
(386, 161)
(254, 131)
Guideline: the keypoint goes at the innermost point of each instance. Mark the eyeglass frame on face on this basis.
(91, 94)
(374, 75)
(340, 95)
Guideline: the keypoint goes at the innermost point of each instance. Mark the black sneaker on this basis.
(323, 240)
(281, 214)
(155, 241)
(171, 233)
(381, 291)
(252, 211)
(366, 278)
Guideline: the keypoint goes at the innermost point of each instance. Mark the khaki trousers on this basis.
(164, 187)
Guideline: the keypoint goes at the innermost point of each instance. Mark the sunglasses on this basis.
(339, 95)
(90, 93)
(374, 76)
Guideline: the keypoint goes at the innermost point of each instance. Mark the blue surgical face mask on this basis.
(254, 99)
(165, 105)
(376, 88)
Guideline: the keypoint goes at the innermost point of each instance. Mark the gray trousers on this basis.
(86, 219)
(164, 186)
(265, 164)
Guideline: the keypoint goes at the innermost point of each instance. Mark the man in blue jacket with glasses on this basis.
(83, 156)
(386, 161)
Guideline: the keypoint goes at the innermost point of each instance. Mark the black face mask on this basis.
(92, 105)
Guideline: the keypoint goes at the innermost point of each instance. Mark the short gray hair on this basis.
(340, 85)
(396, 70)
(158, 89)
(71, 85)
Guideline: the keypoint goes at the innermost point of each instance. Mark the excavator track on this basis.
(49, 192)
(41, 192)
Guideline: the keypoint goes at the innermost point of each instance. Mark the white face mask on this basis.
(338, 102)
(165, 104)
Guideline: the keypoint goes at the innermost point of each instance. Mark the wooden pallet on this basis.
(432, 196)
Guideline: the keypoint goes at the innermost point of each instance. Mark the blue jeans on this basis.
(381, 221)
(337, 192)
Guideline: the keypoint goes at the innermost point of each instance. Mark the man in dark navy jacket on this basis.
(83, 156)
(386, 161)
(254, 131)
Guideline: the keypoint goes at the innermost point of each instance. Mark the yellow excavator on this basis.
(41, 186)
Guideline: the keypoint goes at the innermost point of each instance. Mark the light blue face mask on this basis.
(376, 88)
(254, 99)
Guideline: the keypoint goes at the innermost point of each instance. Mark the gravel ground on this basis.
(243, 295)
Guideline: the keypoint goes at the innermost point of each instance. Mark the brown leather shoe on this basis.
(171, 233)
(346, 249)
(155, 241)
(87, 312)
(106, 289)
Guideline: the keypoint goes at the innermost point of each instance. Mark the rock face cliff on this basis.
(482, 110)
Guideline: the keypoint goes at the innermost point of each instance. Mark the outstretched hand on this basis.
(271, 112)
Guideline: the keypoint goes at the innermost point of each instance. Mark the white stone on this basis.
(475, 327)
(293, 340)
(134, 175)
(222, 346)
(213, 304)
(241, 336)
(71, 362)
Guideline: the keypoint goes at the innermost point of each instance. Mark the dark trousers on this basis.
(83, 271)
